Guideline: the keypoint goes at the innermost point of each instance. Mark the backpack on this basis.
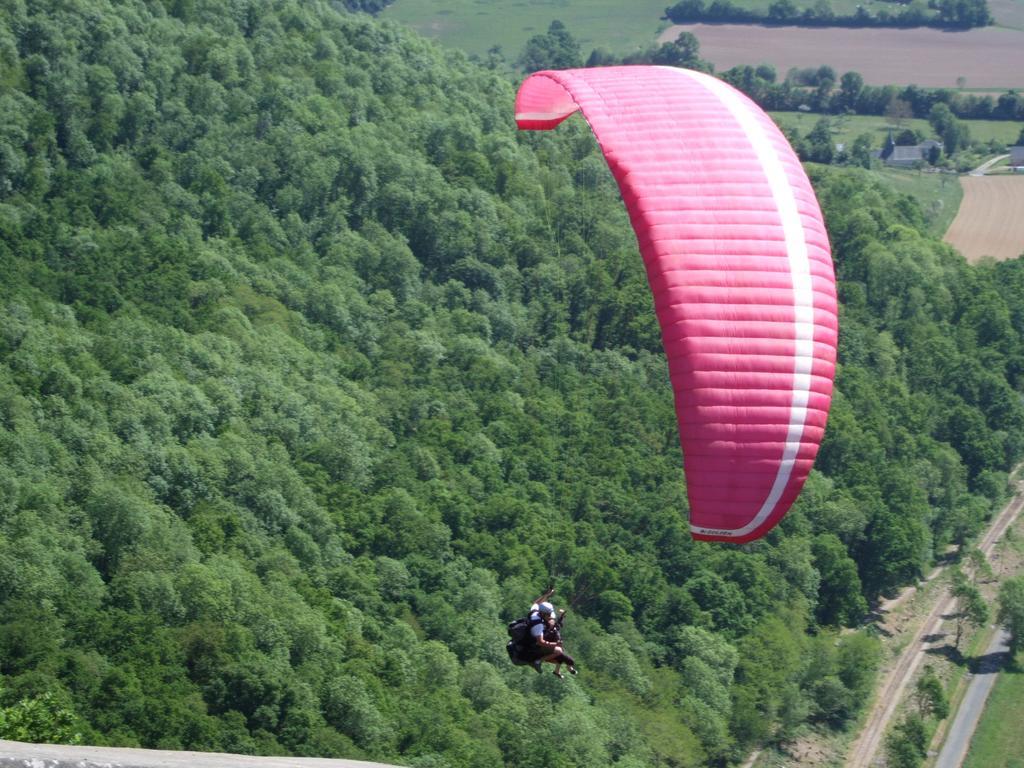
(515, 653)
(519, 630)
(521, 639)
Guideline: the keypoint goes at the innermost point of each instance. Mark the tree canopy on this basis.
(313, 372)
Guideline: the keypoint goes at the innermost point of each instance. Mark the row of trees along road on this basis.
(313, 371)
(945, 14)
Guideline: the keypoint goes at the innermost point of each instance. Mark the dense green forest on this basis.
(313, 372)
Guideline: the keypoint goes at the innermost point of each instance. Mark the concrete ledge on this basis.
(15, 754)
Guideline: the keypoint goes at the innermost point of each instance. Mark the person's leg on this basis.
(565, 658)
(558, 659)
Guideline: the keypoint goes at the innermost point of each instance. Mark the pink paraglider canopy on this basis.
(740, 267)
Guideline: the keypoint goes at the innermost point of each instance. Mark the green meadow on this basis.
(938, 193)
(476, 25)
(999, 739)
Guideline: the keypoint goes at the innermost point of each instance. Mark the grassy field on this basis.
(999, 739)
(938, 193)
(476, 25)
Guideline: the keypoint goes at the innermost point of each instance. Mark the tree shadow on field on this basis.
(873, 622)
(948, 652)
(990, 663)
(948, 557)
(875, 618)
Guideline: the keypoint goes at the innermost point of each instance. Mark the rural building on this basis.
(1017, 158)
(904, 156)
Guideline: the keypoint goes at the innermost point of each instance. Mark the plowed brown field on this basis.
(991, 57)
(990, 221)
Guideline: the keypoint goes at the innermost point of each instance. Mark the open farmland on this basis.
(992, 57)
(989, 222)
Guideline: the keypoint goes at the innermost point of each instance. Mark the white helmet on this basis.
(546, 609)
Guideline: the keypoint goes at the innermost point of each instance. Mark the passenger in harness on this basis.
(537, 638)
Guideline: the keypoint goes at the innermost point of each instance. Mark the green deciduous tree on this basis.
(971, 607)
(930, 695)
(840, 601)
(41, 719)
(906, 743)
(556, 49)
(1011, 611)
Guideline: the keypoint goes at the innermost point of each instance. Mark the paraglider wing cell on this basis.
(739, 264)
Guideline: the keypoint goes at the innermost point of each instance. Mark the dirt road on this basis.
(863, 751)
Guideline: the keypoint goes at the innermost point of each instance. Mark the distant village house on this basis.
(1017, 159)
(902, 156)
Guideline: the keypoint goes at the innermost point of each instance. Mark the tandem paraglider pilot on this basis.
(537, 637)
